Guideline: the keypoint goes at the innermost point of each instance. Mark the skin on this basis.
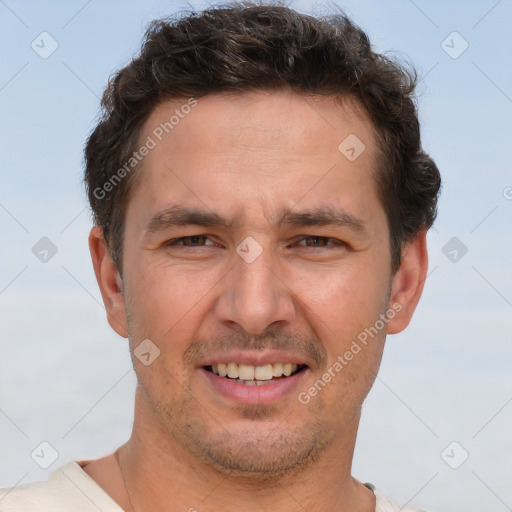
(247, 157)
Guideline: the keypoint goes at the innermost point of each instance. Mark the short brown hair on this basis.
(246, 47)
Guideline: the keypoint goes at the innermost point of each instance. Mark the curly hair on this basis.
(246, 47)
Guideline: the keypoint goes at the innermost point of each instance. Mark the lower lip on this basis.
(263, 394)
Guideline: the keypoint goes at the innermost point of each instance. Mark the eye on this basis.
(320, 242)
(190, 241)
(193, 241)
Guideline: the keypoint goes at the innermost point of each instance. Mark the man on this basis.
(261, 202)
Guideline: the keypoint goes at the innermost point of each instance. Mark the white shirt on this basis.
(71, 489)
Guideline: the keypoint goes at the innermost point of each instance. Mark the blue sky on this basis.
(65, 376)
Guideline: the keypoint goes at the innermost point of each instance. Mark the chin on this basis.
(259, 460)
(256, 447)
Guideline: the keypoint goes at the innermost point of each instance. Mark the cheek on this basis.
(167, 303)
(160, 309)
(344, 300)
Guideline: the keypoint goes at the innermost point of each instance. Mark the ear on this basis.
(407, 283)
(109, 281)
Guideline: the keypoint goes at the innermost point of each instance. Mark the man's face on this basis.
(265, 290)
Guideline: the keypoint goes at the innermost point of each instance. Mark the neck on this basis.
(158, 472)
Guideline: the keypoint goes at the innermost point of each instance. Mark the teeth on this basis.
(252, 382)
(277, 370)
(287, 369)
(232, 370)
(263, 372)
(245, 372)
(252, 375)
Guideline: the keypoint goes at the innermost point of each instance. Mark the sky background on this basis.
(66, 377)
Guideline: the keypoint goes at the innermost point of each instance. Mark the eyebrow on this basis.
(323, 216)
(186, 216)
(326, 216)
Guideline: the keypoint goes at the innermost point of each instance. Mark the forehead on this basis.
(270, 121)
(268, 150)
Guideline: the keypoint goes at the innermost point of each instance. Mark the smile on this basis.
(254, 375)
(257, 384)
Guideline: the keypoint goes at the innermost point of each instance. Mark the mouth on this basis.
(259, 384)
(250, 375)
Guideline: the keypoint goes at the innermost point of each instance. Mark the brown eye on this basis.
(318, 241)
(190, 241)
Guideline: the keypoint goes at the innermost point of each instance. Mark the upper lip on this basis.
(255, 358)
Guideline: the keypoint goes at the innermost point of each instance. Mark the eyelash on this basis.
(175, 241)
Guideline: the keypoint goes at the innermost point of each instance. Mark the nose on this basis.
(255, 295)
